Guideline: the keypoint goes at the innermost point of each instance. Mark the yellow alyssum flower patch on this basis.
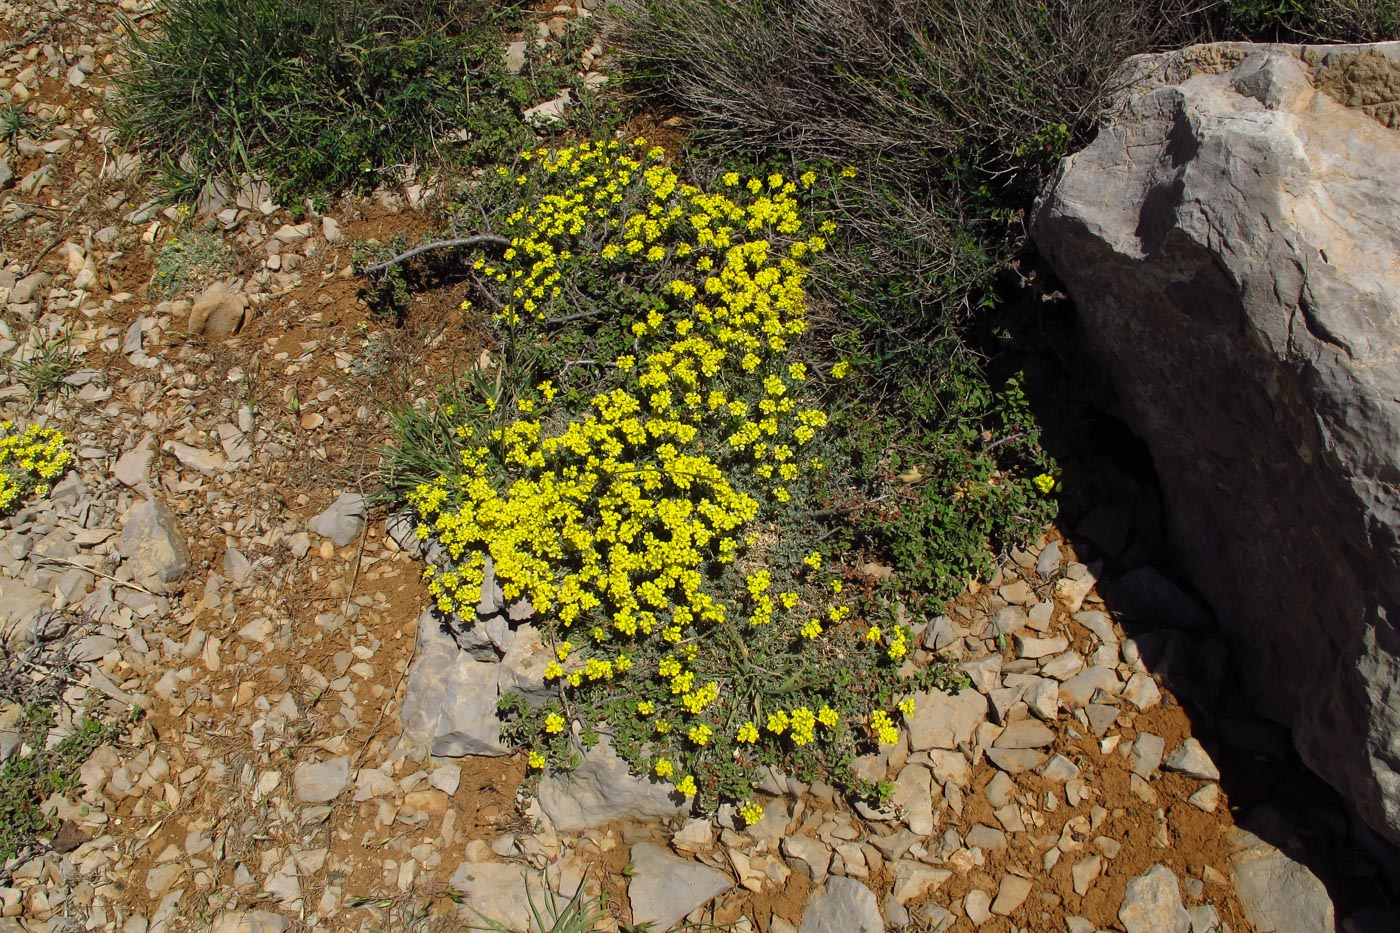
(624, 521)
(30, 461)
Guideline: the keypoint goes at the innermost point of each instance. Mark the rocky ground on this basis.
(216, 567)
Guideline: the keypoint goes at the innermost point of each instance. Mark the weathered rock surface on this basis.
(1230, 239)
(494, 892)
(449, 706)
(343, 521)
(1152, 904)
(153, 547)
(219, 312)
(664, 888)
(601, 790)
(1278, 894)
(843, 906)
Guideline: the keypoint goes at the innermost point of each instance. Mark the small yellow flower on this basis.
(906, 706)
(554, 724)
(687, 786)
(1045, 483)
(748, 733)
(751, 812)
(537, 761)
(840, 370)
(664, 768)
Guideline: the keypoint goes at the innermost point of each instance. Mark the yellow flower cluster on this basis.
(615, 522)
(883, 727)
(29, 462)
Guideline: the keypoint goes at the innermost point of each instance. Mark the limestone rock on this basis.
(1277, 894)
(321, 782)
(601, 790)
(943, 720)
(843, 906)
(449, 706)
(153, 547)
(219, 312)
(1236, 219)
(494, 892)
(250, 921)
(343, 521)
(1190, 759)
(133, 466)
(1152, 904)
(664, 888)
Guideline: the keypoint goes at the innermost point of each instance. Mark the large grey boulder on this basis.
(1230, 240)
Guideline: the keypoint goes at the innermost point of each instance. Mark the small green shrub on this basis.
(190, 260)
(661, 522)
(320, 96)
(38, 772)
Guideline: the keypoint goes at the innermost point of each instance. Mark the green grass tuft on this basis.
(319, 97)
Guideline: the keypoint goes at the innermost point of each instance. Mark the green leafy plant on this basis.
(14, 123)
(37, 772)
(1310, 20)
(187, 261)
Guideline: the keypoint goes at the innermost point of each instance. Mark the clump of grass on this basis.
(45, 362)
(34, 676)
(188, 261)
(1309, 20)
(14, 123)
(323, 96)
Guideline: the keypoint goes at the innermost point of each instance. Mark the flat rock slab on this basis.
(1016, 760)
(943, 720)
(1152, 904)
(664, 888)
(1190, 759)
(343, 521)
(601, 790)
(1277, 894)
(323, 781)
(1025, 733)
(494, 892)
(843, 906)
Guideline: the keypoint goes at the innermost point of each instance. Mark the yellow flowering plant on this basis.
(31, 461)
(653, 512)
